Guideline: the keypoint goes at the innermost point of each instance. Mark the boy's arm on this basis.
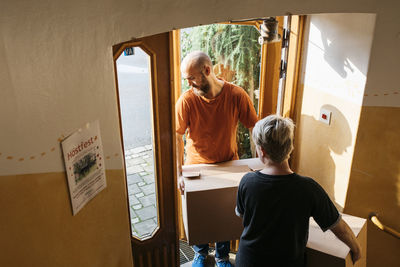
(345, 234)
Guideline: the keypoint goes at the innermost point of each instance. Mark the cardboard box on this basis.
(325, 249)
(208, 209)
(208, 205)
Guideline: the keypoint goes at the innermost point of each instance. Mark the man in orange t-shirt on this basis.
(210, 112)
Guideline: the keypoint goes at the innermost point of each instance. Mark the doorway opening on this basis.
(155, 60)
(239, 58)
(236, 55)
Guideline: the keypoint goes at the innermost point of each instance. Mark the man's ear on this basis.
(207, 70)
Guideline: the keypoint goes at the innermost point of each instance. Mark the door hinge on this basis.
(283, 69)
(285, 38)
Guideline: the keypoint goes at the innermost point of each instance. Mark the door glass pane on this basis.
(135, 97)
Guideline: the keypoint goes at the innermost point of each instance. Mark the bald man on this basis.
(209, 112)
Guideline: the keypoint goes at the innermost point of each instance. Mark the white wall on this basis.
(57, 73)
(336, 57)
(337, 54)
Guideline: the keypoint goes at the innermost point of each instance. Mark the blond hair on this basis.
(275, 135)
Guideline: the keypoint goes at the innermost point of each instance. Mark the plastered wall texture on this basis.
(38, 228)
(375, 181)
(356, 158)
(335, 64)
(56, 74)
(57, 71)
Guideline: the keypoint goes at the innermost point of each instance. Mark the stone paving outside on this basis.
(141, 190)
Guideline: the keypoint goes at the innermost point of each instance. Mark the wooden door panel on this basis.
(162, 248)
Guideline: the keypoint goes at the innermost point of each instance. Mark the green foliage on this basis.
(243, 141)
(236, 47)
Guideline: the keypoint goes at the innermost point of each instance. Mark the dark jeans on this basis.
(221, 249)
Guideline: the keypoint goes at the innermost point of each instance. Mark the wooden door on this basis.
(160, 247)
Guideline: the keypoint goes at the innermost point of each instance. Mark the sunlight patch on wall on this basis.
(335, 67)
(328, 58)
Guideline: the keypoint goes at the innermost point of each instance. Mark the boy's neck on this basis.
(273, 168)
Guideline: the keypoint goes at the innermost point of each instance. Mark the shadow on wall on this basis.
(318, 142)
(346, 41)
(338, 62)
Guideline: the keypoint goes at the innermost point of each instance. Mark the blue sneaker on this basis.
(224, 263)
(198, 260)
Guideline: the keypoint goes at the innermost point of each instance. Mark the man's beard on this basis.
(204, 88)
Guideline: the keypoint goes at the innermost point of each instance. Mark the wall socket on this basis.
(325, 116)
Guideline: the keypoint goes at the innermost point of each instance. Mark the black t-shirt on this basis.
(276, 211)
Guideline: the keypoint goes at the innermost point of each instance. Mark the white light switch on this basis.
(325, 116)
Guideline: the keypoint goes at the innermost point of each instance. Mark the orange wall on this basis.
(37, 222)
(375, 181)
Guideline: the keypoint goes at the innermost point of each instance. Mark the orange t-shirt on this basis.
(212, 123)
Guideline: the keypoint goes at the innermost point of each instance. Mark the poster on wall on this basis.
(84, 162)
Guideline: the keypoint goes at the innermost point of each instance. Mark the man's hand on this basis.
(179, 159)
(181, 184)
